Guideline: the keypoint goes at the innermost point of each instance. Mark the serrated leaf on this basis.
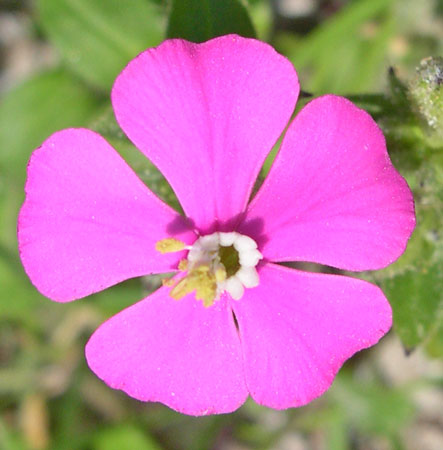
(200, 20)
(98, 38)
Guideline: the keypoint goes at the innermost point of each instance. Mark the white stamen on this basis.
(227, 239)
(244, 243)
(234, 287)
(249, 258)
(248, 276)
(195, 254)
(209, 242)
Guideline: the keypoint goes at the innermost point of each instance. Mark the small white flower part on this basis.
(216, 263)
(243, 243)
(195, 254)
(227, 239)
(248, 276)
(250, 258)
(209, 242)
(234, 287)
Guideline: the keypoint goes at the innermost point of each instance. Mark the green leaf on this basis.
(19, 297)
(11, 197)
(414, 283)
(124, 437)
(416, 298)
(35, 109)
(330, 420)
(434, 345)
(98, 38)
(371, 407)
(345, 54)
(398, 93)
(9, 438)
(200, 20)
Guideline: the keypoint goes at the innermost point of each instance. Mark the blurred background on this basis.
(58, 60)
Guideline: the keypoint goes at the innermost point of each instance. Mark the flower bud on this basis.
(426, 92)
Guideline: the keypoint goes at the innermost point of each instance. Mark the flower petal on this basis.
(298, 328)
(175, 352)
(334, 195)
(88, 222)
(207, 115)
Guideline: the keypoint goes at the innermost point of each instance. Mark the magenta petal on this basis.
(298, 328)
(175, 352)
(88, 222)
(333, 196)
(207, 115)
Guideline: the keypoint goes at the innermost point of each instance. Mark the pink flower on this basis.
(207, 115)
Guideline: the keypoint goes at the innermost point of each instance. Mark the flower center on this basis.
(216, 263)
(229, 259)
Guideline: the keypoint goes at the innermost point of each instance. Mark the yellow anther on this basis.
(182, 288)
(202, 268)
(220, 274)
(169, 282)
(183, 265)
(169, 245)
(206, 291)
(206, 294)
(201, 280)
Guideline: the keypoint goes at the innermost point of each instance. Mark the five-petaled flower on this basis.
(233, 322)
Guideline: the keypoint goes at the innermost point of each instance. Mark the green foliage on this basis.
(372, 408)
(10, 439)
(359, 408)
(11, 196)
(416, 299)
(200, 20)
(414, 284)
(17, 294)
(124, 437)
(32, 111)
(434, 344)
(98, 38)
(346, 53)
